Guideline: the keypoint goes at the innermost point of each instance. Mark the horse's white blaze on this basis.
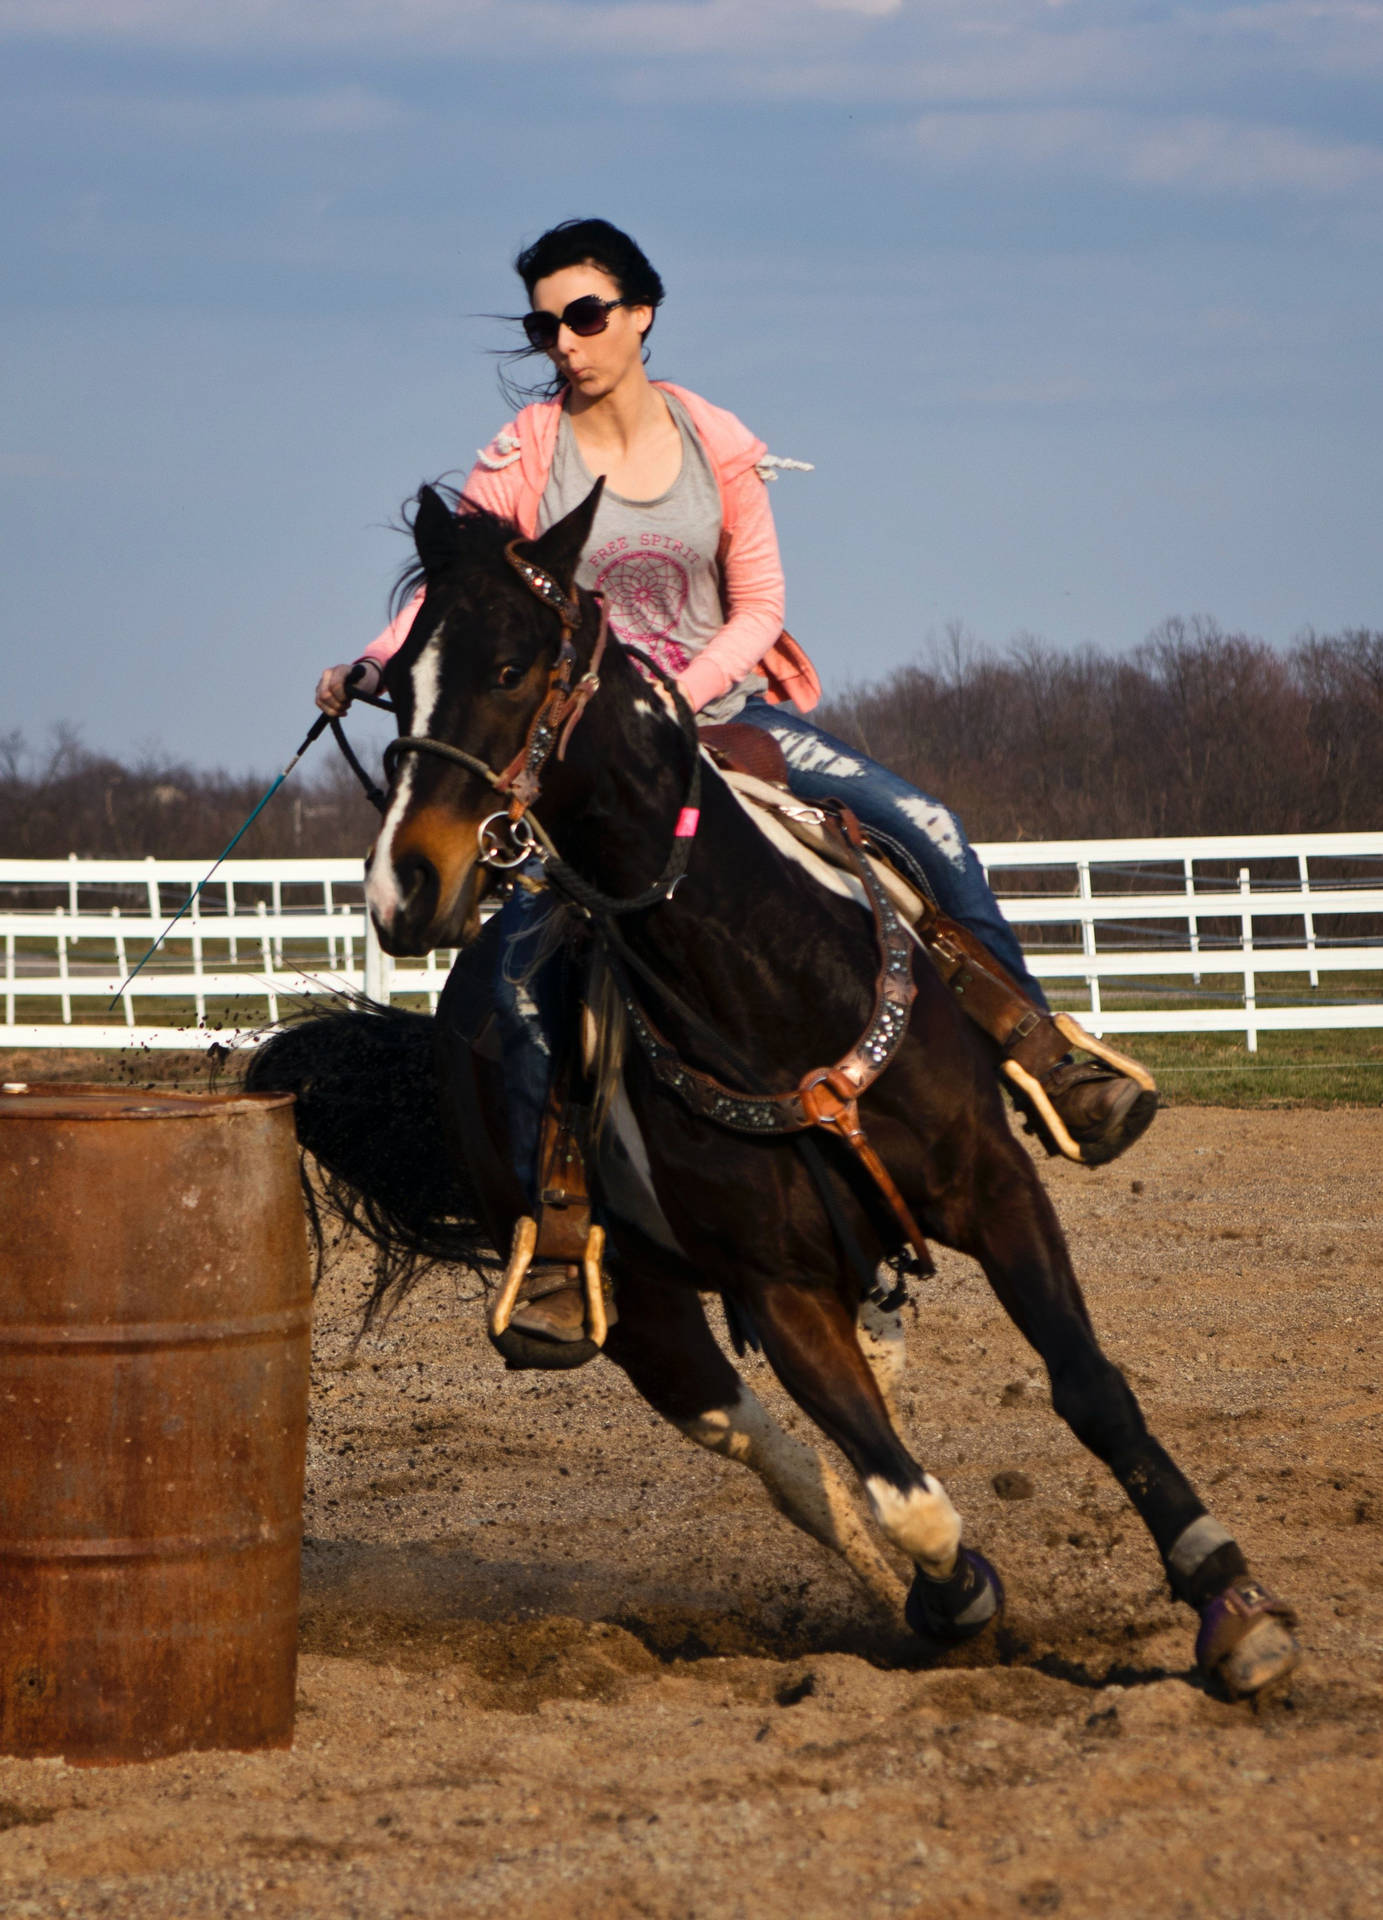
(381, 888)
(920, 1521)
(644, 708)
(801, 1484)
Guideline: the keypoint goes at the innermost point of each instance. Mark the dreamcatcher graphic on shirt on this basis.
(646, 595)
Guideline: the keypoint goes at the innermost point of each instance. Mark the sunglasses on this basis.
(585, 317)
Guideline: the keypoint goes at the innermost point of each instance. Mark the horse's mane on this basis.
(479, 540)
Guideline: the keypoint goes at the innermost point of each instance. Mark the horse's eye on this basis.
(510, 675)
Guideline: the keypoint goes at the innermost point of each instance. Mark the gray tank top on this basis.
(654, 560)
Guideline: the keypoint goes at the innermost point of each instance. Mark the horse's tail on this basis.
(368, 1112)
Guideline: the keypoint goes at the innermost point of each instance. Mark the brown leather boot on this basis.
(552, 1309)
(548, 1326)
(551, 1305)
(1104, 1111)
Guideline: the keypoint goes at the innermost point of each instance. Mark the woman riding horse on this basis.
(739, 968)
(683, 551)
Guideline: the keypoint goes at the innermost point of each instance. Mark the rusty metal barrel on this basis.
(155, 1303)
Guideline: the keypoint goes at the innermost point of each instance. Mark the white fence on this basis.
(263, 935)
(1240, 935)
(1275, 941)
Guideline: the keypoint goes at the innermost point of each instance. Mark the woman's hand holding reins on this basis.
(336, 688)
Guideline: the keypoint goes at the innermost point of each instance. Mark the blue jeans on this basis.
(929, 838)
(529, 984)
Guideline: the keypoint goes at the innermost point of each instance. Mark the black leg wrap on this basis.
(1202, 1561)
(1212, 1576)
(957, 1608)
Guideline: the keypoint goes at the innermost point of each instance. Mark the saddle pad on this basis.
(775, 812)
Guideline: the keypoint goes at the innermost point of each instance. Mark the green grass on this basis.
(151, 1011)
(1299, 1069)
(1200, 1070)
(1289, 1069)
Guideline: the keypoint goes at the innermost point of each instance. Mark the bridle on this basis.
(514, 834)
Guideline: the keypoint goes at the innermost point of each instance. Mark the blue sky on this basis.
(1077, 308)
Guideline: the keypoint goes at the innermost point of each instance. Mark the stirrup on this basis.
(521, 1252)
(1032, 1089)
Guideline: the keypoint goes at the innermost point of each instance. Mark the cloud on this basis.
(332, 110)
(1222, 156)
(1194, 154)
(1340, 37)
(497, 27)
(1152, 98)
(982, 50)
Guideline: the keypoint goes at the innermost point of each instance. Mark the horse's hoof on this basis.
(1245, 1641)
(527, 1352)
(958, 1607)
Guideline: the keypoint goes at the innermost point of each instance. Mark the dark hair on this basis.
(578, 243)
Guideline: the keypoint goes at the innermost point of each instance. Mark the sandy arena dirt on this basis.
(556, 1662)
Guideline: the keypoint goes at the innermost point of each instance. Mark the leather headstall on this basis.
(564, 702)
(561, 707)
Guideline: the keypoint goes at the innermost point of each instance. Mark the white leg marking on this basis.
(920, 1521)
(881, 1342)
(802, 1485)
(1196, 1543)
(381, 888)
(940, 827)
(811, 755)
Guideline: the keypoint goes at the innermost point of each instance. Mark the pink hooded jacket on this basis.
(509, 479)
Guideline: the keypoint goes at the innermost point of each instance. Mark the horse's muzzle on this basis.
(415, 914)
(418, 889)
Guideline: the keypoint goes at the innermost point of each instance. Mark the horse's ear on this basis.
(559, 550)
(434, 530)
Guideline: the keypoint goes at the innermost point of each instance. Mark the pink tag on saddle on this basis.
(687, 822)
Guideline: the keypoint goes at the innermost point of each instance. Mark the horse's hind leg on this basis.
(664, 1344)
(1244, 1640)
(809, 1336)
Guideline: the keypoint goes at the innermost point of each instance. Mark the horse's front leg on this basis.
(664, 1344)
(1012, 1230)
(809, 1336)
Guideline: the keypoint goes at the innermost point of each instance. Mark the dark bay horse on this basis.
(775, 967)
